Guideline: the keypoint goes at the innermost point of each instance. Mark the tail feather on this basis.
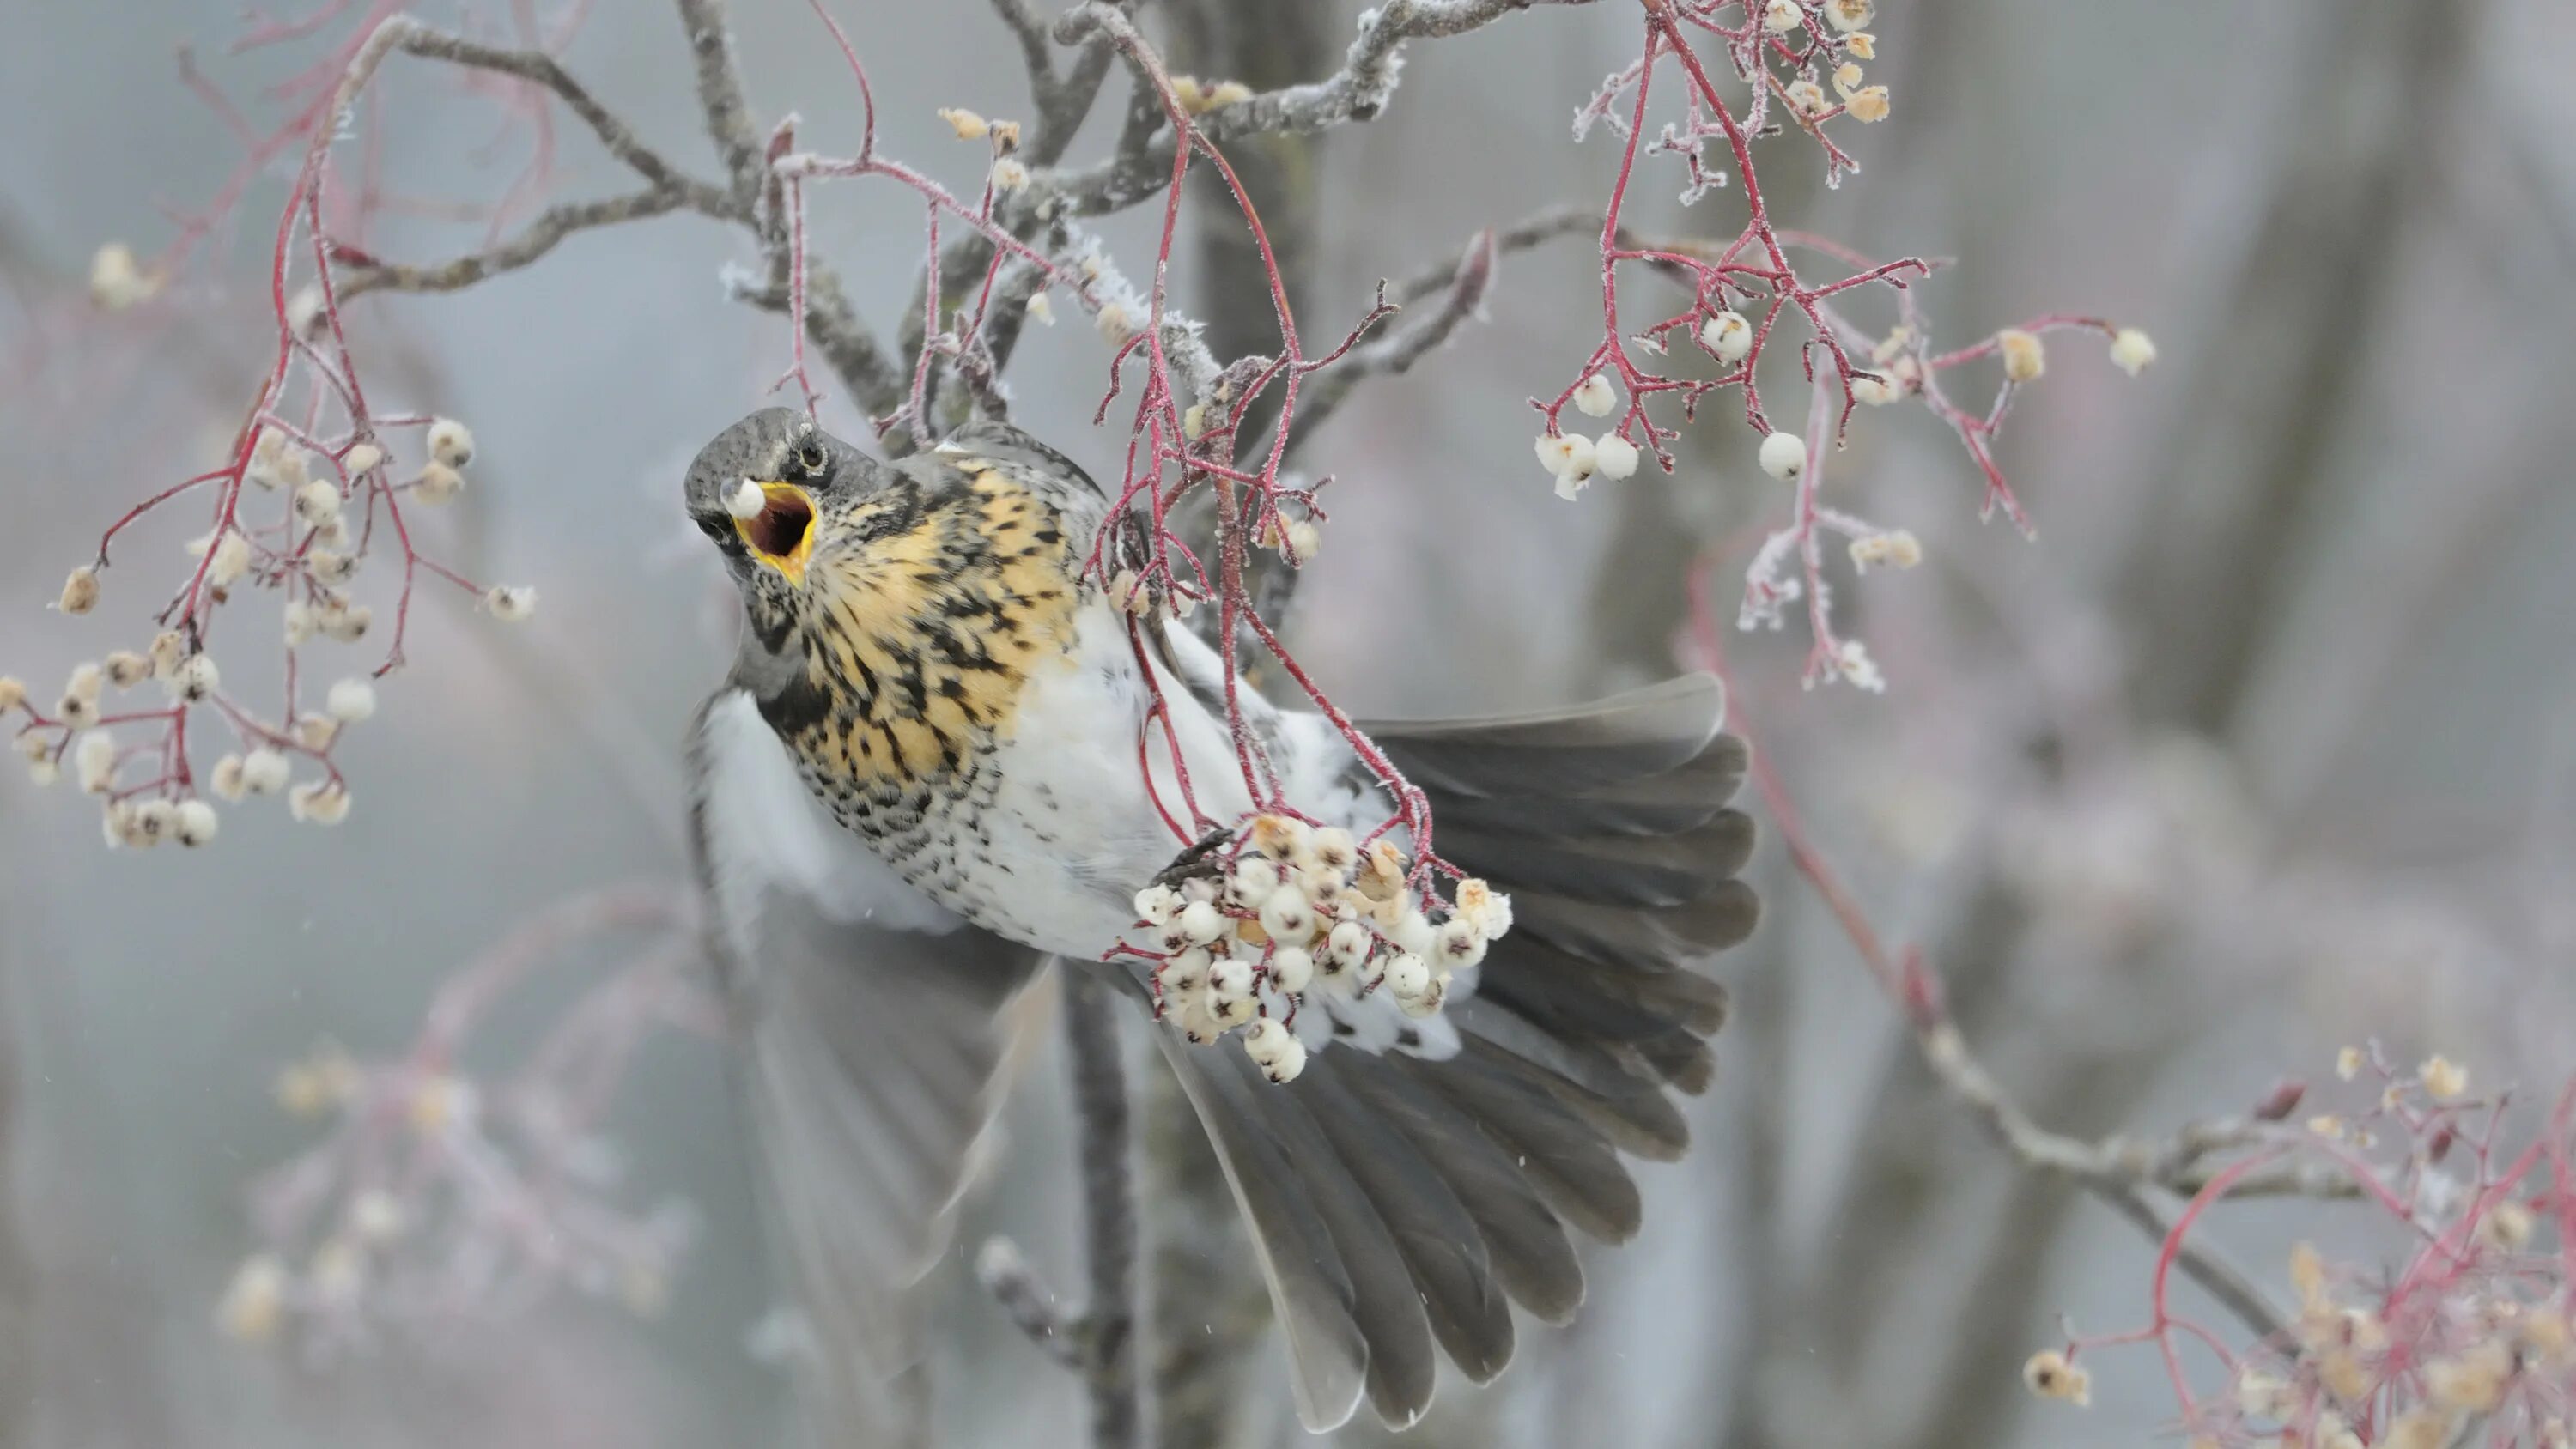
(1444, 1252)
(1443, 1187)
(1647, 941)
(1639, 872)
(1573, 1168)
(1525, 1243)
(1633, 736)
(1310, 1288)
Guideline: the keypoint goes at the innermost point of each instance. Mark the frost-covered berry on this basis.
(263, 772)
(152, 822)
(1727, 335)
(2049, 1375)
(323, 802)
(1200, 922)
(351, 700)
(1229, 978)
(1614, 456)
(195, 678)
(1784, 455)
(510, 603)
(1867, 105)
(1304, 540)
(1183, 972)
(1782, 16)
(194, 823)
(1872, 388)
(345, 622)
(1569, 457)
(361, 458)
(1349, 943)
(1459, 944)
(1157, 904)
(80, 591)
(1407, 975)
(438, 484)
(1254, 878)
(226, 778)
(330, 569)
(1278, 836)
(968, 125)
(1291, 970)
(1275, 1049)
(451, 442)
(1849, 15)
(1288, 916)
(1427, 1001)
(1595, 396)
(13, 692)
(318, 503)
(116, 280)
(2132, 350)
(1331, 852)
(231, 560)
(1042, 310)
(1898, 549)
(126, 669)
(2025, 357)
(94, 762)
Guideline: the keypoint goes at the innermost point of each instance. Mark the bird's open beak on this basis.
(781, 534)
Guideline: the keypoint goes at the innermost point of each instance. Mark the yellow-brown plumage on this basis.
(925, 613)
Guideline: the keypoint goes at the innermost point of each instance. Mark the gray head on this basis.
(763, 490)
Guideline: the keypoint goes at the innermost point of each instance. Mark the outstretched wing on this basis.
(871, 1027)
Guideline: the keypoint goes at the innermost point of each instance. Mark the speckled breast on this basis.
(921, 634)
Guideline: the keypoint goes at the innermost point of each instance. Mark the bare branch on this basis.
(1031, 1307)
(1356, 92)
(1100, 1342)
(720, 96)
(531, 242)
(1109, 1214)
(1467, 282)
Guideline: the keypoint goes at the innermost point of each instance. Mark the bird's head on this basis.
(776, 493)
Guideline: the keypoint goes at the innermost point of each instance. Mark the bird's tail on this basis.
(1397, 1201)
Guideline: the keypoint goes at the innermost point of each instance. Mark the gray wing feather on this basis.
(871, 1032)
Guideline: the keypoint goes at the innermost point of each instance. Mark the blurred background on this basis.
(2267, 744)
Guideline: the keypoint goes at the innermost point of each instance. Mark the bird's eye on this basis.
(809, 456)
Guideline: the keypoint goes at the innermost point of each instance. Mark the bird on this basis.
(922, 783)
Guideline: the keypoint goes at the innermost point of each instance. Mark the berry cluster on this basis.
(1302, 915)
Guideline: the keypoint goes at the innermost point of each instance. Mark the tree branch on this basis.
(719, 74)
(1100, 1343)
(531, 242)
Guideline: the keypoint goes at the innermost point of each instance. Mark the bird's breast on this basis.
(921, 642)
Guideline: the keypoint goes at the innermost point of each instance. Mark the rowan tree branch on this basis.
(1100, 1342)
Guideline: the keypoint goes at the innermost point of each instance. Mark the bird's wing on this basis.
(871, 1028)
